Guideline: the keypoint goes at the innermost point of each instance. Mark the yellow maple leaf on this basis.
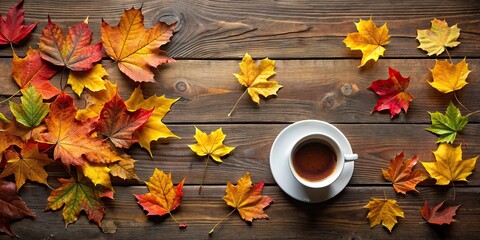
(384, 211)
(211, 145)
(98, 173)
(438, 37)
(448, 77)
(369, 39)
(449, 165)
(255, 78)
(96, 100)
(92, 79)
(154, 128)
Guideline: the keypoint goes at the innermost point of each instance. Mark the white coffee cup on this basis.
(317, 160)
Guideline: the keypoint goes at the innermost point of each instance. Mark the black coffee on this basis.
(314, 161)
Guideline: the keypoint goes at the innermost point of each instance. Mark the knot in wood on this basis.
(181, 86)
(170, 18)
(346, 89)
(329, 101)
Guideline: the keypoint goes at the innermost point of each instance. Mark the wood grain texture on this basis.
(330, 90)
(276, 29)
(340, 218)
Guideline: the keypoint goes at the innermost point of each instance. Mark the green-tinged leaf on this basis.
(32, 110)
(447, 125)
(3, 118)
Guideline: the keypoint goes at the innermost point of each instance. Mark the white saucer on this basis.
(279, 155)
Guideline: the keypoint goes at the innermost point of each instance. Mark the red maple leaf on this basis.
(439, 215)
(12, 207)
(392, 93)
(12, 29)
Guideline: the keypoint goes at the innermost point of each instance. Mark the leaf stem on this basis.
(181, 225)
(451, 61)
(461, 104)
(204, 173)
(13, 95)
(61, 79)
(13, 49)
(472, 113)
(236, 103)
(216, 225)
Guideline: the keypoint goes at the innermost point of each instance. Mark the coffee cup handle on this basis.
(350, 157)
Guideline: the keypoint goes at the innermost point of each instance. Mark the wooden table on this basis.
(313, 65)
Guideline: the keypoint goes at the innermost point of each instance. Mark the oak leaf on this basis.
(246, 199)
(447, 125)
(32, 110)
(384, 211)
(12, 28)
(392, 91)
(32, 69)
(369, 39)
(449, 77)
(211, 145)
(28, 164)
(449, 165)
(163, 197)
(134, 48)
(401, 175)
(76, 195)
(96, 100)
(154, 128)
(439, 214)
(72, 51)
(92, 79)
(118, 124)
(438, 37)
(72, 138)
(12, 207)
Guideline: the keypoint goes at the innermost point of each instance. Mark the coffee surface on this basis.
(314, 161)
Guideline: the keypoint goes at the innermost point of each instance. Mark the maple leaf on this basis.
(448, 77)
(72, 139)
(28, 164)
(255, 78)
(438, 37)
(154, 128)
(12, 207)
(449, 165)
(35, 71)
(163, 197)
(392, 93)
(96, 100)
(384, 211)
(439, 215)
(369, 39)
(246, 199)
(32, 110)
(75, 195)
(447, 125)
(401, 175)
(7, 139)
(124, 168)
(98, 173)
(118, 124)
(12, 29)
(135, 48)
(72, 51)
(91, 79)
(3, 118)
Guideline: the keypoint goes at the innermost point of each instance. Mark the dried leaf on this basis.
(12, 29)
(92, 79)
(439, 215)
(154, 128)
(449, 165)
(448, 77)
(7, 139)
(28, 164)
(32, 110)
(384, 211)
(369, 39)
(438, 37)
(72, 51)
(448, 125)
(401, 175)
(98, 173)
(392, 91)
(135, 48)
(96, 100)
(77, 195)
(12, 207)
(124, 168)
(211, 145)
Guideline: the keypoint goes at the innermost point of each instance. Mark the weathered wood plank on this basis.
(376, 144)
(340, 218)
(277, 29)
(331, 90)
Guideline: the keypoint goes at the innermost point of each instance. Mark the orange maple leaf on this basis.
(163, 198)
(72, 138)
(384, 211)
(7, 139)
(135, 48)
(247, 199)
(401, 175)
